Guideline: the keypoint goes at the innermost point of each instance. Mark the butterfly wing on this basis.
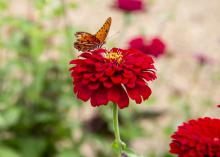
(86, 41)
(103, 31)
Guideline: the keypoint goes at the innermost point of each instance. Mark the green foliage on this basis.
(3, 5)
(131, 153)
(35, 95)
(8, 152)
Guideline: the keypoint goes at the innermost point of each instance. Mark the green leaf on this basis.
(3, 5)
(72, 5)
(131, 153)
(32, 147)
(40, 4)
(8, 152)
(115, 146)
(9, 117)
(69, 153)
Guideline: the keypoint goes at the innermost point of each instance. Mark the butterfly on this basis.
(86, 41)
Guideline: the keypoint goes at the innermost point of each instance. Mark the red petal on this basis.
(99, 66)
(128, 74)
(85, 81)
(75, 61)
(87, 75)
(124, 100)
(125, 80)
(99, 97)
(107, 84)
(89, 61)
(116, 79)
(109, 71)
(134, 94)
(145, 92)
(72, 69)
(85, 55)
(93, 86)
(81, 69)
(93, 100)
(103, 79)
(99, 51)
(148, 76)
(113, 94)
(82, 92)
(98, 75)
(140, 82)
(93, 79)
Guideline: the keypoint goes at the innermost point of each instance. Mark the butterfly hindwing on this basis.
(84, 46)
(86, 37)
(85, 41)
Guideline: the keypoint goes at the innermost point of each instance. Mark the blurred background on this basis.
(39, 114)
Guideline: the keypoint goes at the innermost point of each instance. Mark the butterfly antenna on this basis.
(113, 35)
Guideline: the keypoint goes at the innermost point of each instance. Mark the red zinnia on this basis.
(115, 75)
(197, 138)
(130, 5)
(155, 47)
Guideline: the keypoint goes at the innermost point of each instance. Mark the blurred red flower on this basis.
(156, 47)
(114, 75)
(218, 105)
(197, 138)
(130, 5)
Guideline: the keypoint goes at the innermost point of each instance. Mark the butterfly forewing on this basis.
(103, 32)
(86, 41)
(86, 37)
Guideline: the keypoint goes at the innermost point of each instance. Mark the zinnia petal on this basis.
(114, 75)
(196, 138)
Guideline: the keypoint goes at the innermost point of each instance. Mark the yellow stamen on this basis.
(114, 56)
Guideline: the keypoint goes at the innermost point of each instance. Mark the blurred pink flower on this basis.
(156, 47)
(203, 59)
(130, 5)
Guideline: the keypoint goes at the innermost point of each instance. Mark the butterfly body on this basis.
(86, 41)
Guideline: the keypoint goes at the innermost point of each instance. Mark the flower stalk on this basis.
(117, 142)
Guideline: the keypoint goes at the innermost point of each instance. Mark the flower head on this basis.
(156, 47)
(197, 138)
(202, 59)
(114, 75)
(130, 5)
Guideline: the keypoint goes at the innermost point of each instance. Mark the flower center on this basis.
(114, 56)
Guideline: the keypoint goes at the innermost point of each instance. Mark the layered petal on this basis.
(114, 75)
(197, 138)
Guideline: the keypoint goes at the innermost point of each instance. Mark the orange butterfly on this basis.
(86, 41)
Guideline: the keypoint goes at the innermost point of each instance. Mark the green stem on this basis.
(116, 129)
